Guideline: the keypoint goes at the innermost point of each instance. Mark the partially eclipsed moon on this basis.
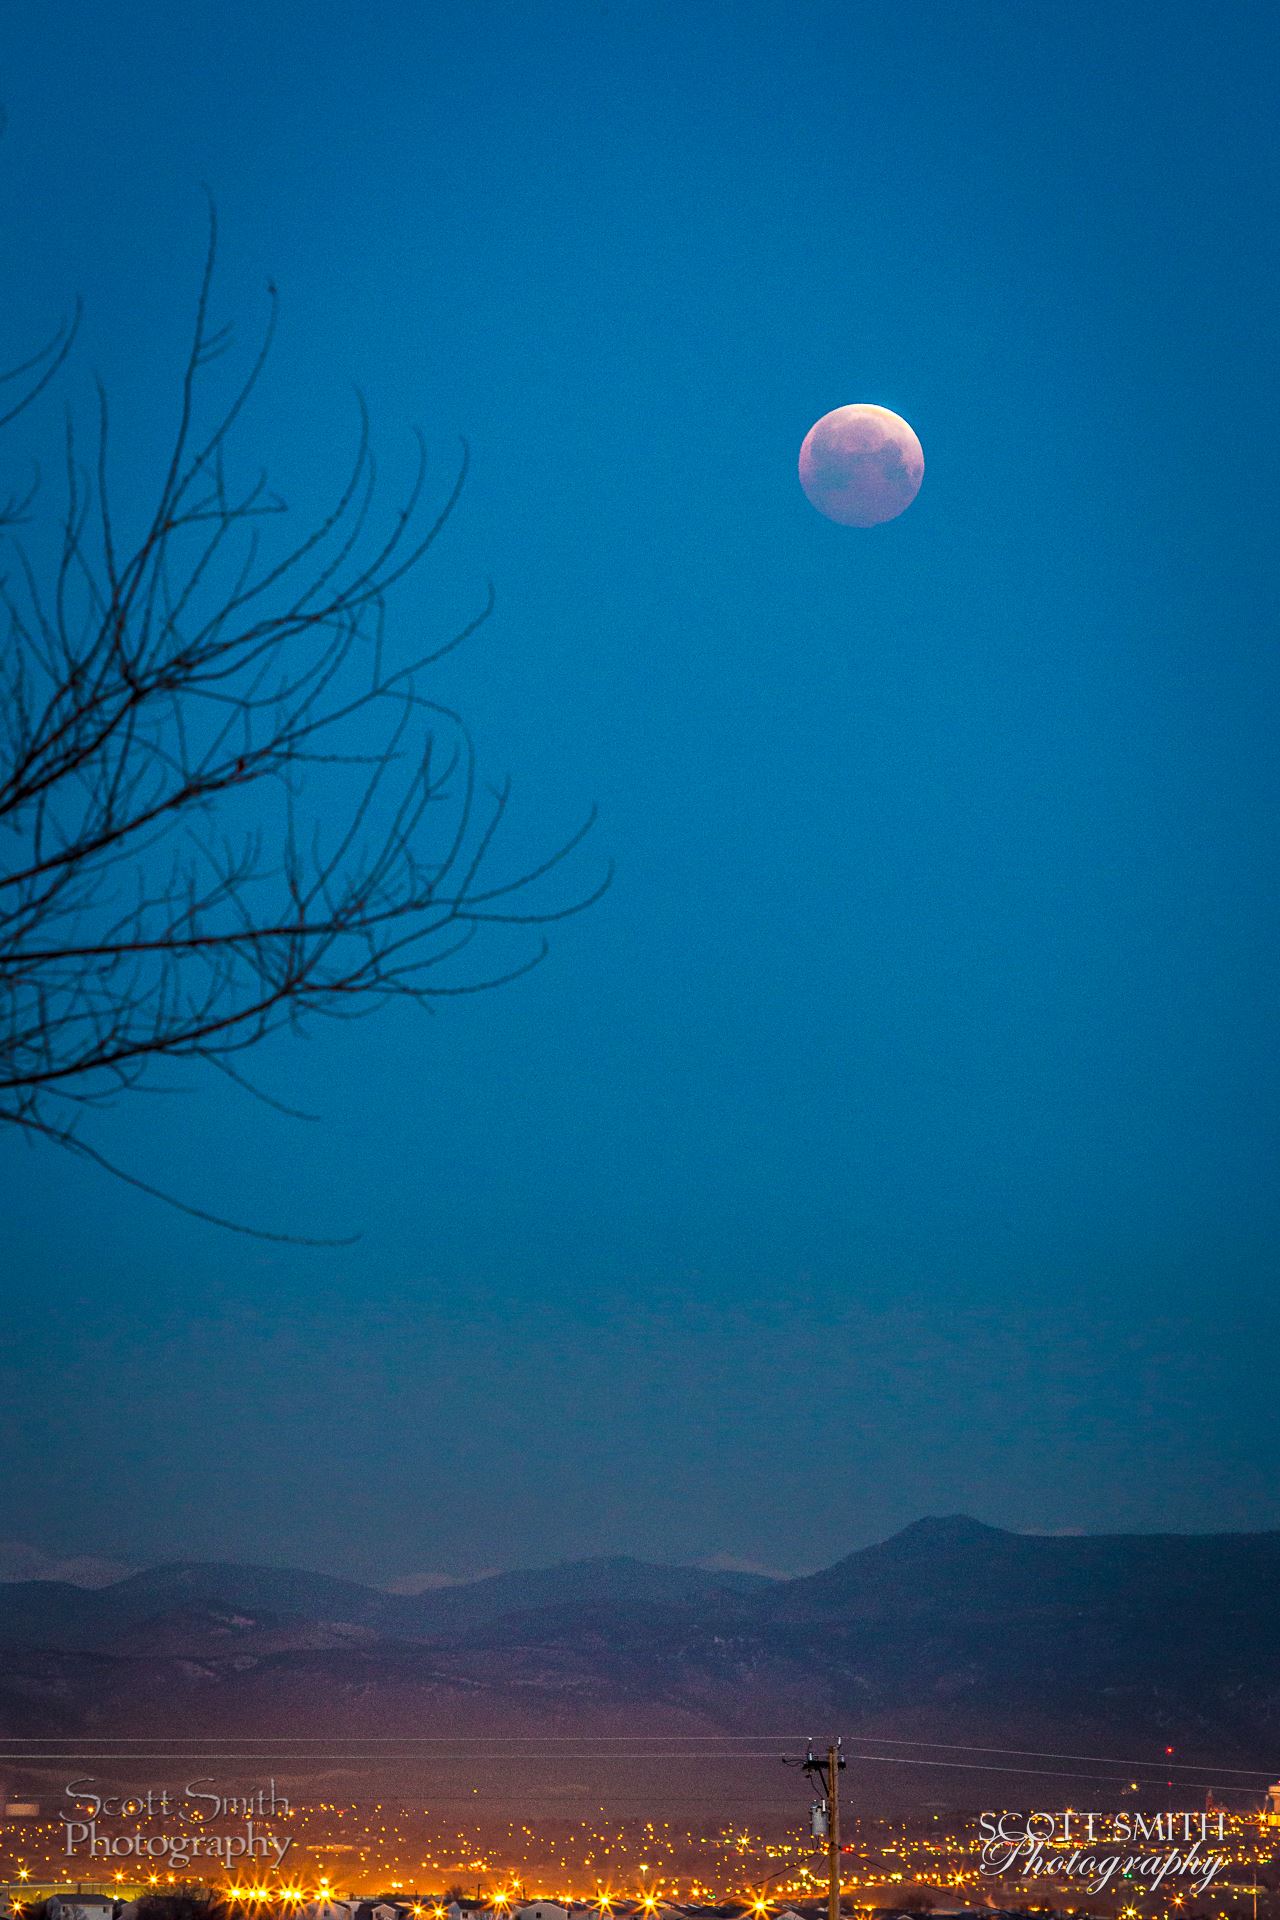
(861, 465)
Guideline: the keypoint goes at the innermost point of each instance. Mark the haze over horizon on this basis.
(23, 1561)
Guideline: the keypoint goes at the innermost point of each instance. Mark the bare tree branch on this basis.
(227, 810)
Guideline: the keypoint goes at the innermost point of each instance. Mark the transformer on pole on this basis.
(824, 1815)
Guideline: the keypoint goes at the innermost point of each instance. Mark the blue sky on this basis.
(911, 1099)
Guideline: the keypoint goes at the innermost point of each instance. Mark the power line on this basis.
(195, 1741)
(537, 1746)
(872, 1759)
(1038, 1753)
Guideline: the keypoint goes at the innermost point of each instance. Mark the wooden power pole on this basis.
(835, 1760)
(826, 1814)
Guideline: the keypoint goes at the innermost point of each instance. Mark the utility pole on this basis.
(835, 1760)
(825, 1815)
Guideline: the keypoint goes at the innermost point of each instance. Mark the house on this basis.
(76, 1906)
(331, 1908)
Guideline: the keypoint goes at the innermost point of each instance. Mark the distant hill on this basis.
(618, 1581)
(949, 1632)
(957, 1564)
(56, 1615)
(20, 1561)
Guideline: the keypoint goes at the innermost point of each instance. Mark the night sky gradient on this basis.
(899, 1135)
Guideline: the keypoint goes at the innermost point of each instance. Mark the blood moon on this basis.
(861, 465)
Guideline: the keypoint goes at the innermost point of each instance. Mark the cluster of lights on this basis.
(888, 1855)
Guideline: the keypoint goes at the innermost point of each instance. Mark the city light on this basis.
(636, 1868)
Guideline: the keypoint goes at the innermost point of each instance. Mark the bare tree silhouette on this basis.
(190, 1902)
(228, 808)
